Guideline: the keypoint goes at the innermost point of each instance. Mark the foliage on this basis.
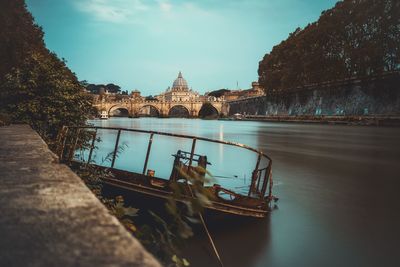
(163, 235)
(36, 87)
(19, 36)
(151, 98)
(100, 88)
(93, 176)
(45, 94)
(4, 119)
(218, 93)
(356, 38)
(157, 235)
(167, 234)
(119, 97)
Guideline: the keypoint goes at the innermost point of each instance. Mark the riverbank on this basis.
(393, 121)
(362, 101)
(49, 217)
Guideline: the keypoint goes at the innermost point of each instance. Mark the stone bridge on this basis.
(163, 108)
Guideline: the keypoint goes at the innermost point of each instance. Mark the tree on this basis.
(112, 88)
(151, 98)
(218, 93)
(356, 38)
(95, 88)
(36, 87)
(19, 36)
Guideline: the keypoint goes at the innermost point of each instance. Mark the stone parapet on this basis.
(49, 217)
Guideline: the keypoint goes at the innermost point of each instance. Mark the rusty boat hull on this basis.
(255, 203)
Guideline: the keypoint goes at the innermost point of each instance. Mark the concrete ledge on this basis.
(49, 217)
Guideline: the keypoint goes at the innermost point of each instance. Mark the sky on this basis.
(143, 44)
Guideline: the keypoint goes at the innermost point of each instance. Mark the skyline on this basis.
(144, 44)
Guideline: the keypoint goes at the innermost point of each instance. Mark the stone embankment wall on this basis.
(377, 96)
(48, 215)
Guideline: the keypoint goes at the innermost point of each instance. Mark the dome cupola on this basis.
(180, 84)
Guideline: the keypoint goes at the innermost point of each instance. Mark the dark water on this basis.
(339, 190)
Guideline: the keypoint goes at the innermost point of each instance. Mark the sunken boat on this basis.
(188, 167)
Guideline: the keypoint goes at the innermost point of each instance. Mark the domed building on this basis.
(180, 84)
(179, 92)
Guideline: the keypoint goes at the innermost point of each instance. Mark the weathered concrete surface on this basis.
(48, 217)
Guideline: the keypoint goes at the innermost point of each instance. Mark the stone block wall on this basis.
(374, 96)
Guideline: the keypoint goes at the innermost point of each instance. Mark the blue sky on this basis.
(143, 44)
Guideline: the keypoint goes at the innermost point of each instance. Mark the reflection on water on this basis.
(230, 166)
(338, 188)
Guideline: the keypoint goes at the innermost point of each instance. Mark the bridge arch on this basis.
(179, 111)
(118, 111)
(152, 111)
(208, 110)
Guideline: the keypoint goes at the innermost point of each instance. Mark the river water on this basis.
(338, 189)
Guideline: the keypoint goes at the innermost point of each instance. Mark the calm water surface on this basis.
(339, 190)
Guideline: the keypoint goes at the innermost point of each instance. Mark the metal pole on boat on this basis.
(200, 215)
(192, 152)
(92, 147)
(116, 148)
(254, 175)
(267, 176)
(148, 153)
(271, 182)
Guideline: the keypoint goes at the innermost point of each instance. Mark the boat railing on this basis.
(69, 137)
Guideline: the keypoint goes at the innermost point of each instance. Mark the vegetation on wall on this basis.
(163, 232)
(101, 88)
(356, 38)
(36, 87)
(218, 93)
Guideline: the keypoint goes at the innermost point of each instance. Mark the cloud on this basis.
(139, 11)
(160, 18)
(165, 6)
(116, 11)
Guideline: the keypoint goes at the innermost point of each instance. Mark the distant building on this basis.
(179, 92)
(135, 95)
(254, 91)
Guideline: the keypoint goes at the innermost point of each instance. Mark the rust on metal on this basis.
(92, 146)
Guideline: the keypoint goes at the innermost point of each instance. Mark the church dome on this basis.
(180, 84)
